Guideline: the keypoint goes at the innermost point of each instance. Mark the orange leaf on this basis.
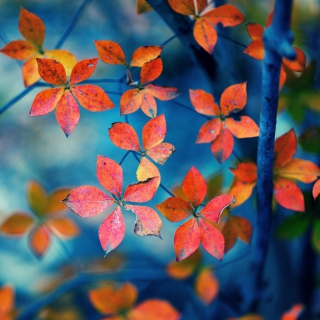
(302, 170)
(212, 239)
(52, 71)
(255, 31)
(214, 208)
(16, 225)
(183, 269)
(255, 49)
(147, 170)
(154, 132)
(87, 201)
(244, 128)
(228, 15)
(161, 152)
(205, 34)
(110, 52)
(54, 202)
(236, 227)
(83, 70)
(130, 101)
(162, 92)
(234, 98)
(37, 198)
(285, 148)
(209, 131)
(203, 102)
(39, 240)
(64, 227)
(241, 191)
(148, 104)
(111, 231)
(145, 54)
(45, 101)
(30, 72)
(142, 191)
(222, 146)
(186, 239)
(67, 113)
(175, 209)
(151, 70)
(245, 171)
(316, 189)
(124, 136)
(298, 64)
(127, 296)
(154, 309)
(7, 301)
(110, 175)
(185, 7)
(143, 6)
(293, 313)
(288, 195)
(147, 223)
(92, 97)
(66, 58)
(194, 187)
(19, 49)
(206, 285)
(31, 27)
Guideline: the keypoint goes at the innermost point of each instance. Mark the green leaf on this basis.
(214, 186)
(309, 140)
(293, 226)
(315, 238)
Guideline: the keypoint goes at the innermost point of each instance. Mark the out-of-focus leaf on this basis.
(255, 49)
(255, 31)
(39, 240)
(37, 197)
(143, 6)
(7, 302)
(245, 171)
(309, 140)
(185, 7)
(316, 189)
(294, 226)
(214, 185)
(316, 235)
(206, 285)
(54, 201)
(293, 313)
(241, 191)
(16, 225)
(64, 227)
(298, 64)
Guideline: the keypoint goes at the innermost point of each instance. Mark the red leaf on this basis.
(124, 136)
(214, 208)
(293, 313)
(203, 102)
(234, 98)
(154, 309)
(145, 54)
(175, 209)
(111, 231)
(154, 132)
(31, 27)
(222, 147)
(83, 70)
(194, 187)
(245, 171)
(110, 52)
(227, 15)
(67, 113)
(110, 176)
(142, 191)
(302, 170)
(45, 101)
(185, 7)
(16, 225)
(92, 97)
(87, 201)
(255, 49)
(255, 31)
(241, 191)
(285, 148)
(19, 49)
(161, 152)
(150, 71)
(162, 92)
(147, 223)
(206, 285)
(52, 71)
(130, 101)
(316, 189)
(205, 34)
(212, 239)
(148, 104)
(147, 170)
(288, 194)
(186, 239)
(39, 240)
(64, 227)
(209, 131)
(245, 128)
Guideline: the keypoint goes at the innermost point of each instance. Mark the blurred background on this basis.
(35, 148)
